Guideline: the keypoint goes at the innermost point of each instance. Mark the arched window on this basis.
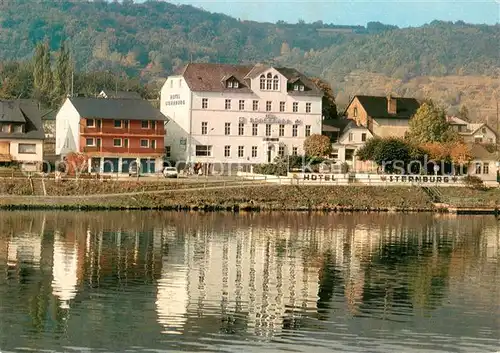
(276, 83)
(262, 82)
(269, 84)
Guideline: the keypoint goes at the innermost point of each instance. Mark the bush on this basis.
(474, 182)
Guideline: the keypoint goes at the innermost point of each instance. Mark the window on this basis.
(241, 150)
(171, 83)
(19, 128)
(294, 130)
(242, 104)
(254, 129)
(478, 168)
(227, 151)
(334, 154)
(204, 127)
(228, 104)
(236, 84)
(144, 143)
(282, 106)
(117, 142)
(268, 129)
(241, 129)
(281, 151)
(153, 125)
(126, 124)
(308, 107)
(351, 137)
(204, 103)
(478, 140)
(89, 142)
(269, 81)
(483, 130)
(203, 151)
(26, 148)
(168, 151)
(308, 130)
(295, 107)
(295, 151)
(125, 144)
(363, 137)
(229, 84)
(254, 151)
(153, 144)
(301, 87)
(255, 105)
(262, 82)
(486, 168)
(349, 154)
(145, 124)
(355, 112)
(295, 87)
(227, 128)
(118, 123)
(90, 122)
(276, 83)
(5, 128)
(268, 106)
(282, 130)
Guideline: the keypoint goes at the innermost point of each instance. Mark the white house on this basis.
(21, 133)
(229, 114)
(473, 132)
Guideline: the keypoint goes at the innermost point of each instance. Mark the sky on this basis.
(403, 13)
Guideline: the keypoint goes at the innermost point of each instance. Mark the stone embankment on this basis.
(237, 194)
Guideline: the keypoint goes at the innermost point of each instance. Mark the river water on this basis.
(284, 282)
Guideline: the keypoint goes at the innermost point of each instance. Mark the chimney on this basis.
(391, 105)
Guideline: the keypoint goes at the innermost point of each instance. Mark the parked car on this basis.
(170, 172)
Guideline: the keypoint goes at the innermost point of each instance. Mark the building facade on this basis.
(383, 116)
(114, 133)
(473, 132)
(238, 115)
(21, 134)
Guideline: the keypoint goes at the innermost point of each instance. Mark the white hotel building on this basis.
(237, 114)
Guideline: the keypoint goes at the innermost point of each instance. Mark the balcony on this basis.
(122, 150)
(123, 131)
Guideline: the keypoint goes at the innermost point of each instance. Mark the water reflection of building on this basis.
(65, 269)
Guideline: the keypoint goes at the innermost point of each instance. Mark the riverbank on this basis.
(239, 195)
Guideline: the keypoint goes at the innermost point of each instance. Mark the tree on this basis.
(317, 145)
(463, 113)
(367, 151)
(389, 152)
(429, 124)
(42, 73)
(38, 75)
(62, 73)
(329, 107)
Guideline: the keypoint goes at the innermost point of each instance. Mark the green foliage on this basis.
(429, 124)
(317, 145)
(474, 182)
(329, 107)
(62, 74)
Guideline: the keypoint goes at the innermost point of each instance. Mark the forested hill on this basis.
(161, 36)
(456, 63)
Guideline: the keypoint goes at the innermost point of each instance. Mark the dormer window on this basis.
(298, 86)
(295, 87)
(18, 128)
(301, 87)
(276, 83)
(236, 84)
(232, 83)
(269, 81)
(262, 82)
(229, 84)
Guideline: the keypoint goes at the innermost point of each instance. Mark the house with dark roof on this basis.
(21, 133)
(239, 114)
(383, 116)
(114, 133)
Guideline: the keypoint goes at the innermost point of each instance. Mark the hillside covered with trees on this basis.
(151, 39)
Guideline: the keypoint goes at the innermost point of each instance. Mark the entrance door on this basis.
(269, 154)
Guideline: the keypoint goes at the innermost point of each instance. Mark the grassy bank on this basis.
(264, 197)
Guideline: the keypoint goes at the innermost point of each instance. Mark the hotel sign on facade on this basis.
(378, 179)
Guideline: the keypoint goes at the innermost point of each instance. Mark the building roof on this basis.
(23, 111)
(120, 95)
(479, 152)
(119, 109)
(453, 120)
(340, 125)
(376, 106)
(209, 77)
